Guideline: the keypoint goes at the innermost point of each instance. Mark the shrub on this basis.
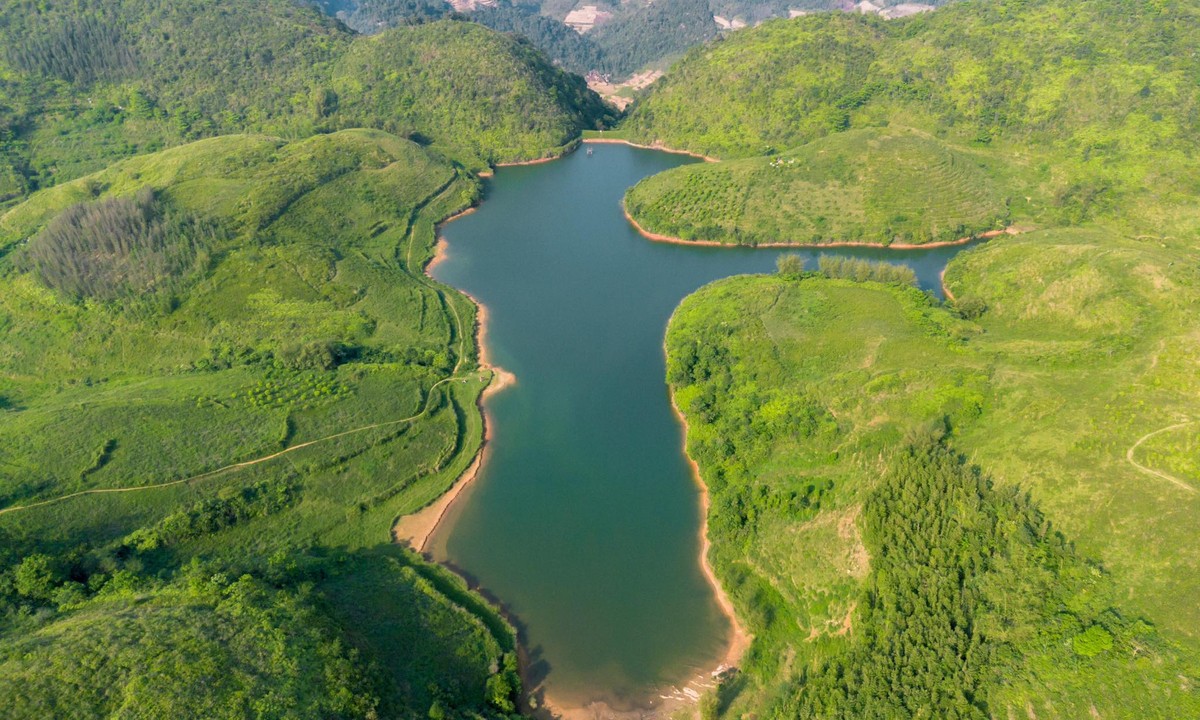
(790, 265)
(1092, 642)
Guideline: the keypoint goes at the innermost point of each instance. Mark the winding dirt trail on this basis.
(455, 375)
(1169, 478)
(239, 465)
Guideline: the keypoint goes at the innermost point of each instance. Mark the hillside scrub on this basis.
(310, 348)
(1063, 565)
(1064, 113)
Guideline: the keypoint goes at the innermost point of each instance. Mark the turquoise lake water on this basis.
(584, 522)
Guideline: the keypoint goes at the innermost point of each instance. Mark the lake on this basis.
(584, 522)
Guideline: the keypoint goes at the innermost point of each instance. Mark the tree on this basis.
(36, 577)
(790, 265)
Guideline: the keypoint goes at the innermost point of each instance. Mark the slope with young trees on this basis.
(880, 581)
(1079, 112)
(224, 376)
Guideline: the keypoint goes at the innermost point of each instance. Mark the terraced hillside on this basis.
(1065, 355)
(874, 186)
(1081, 113)
(292, 388)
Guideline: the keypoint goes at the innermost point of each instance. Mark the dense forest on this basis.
(84, 85)
(121, 249)
(577, 53)
(638, 35)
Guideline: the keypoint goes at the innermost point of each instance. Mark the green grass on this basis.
(797, 391)
(872, 186)
(312, 334)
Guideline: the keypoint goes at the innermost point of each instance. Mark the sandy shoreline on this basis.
(670, 239)
(656, 146)
(688, 695)
(564, 151)
(417, 528)
(740, 640)
(945, 290)
(538, 161)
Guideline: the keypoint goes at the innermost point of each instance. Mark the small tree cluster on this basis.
(78, 49)
(859, 270)
(119, 248)
(790, 265)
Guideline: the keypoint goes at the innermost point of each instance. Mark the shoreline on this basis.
(672, 240)
(416, 529)
(655, 146)
(740, 640)
(945, 290)
(564, 151)
(539, 161)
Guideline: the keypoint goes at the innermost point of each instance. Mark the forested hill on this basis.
(88, 82)
(638, 34)
(1099, 78)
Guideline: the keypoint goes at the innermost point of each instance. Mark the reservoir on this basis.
(584, 522)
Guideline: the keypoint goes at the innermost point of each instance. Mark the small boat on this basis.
(589, 152)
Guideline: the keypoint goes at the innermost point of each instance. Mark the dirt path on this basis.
(244, 463)
(455, 375)
(1133, 449)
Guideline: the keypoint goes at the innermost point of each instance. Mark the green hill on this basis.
(84, 84)
(887, 582)
(211, 649)
(1016, 69)
(874, 186)
(1082, 111)
(240, 299)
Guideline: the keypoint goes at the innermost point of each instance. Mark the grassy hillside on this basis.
(301, 340)
(84, 84)
(1062, 372)
(1040, 69)
(874, 186)
(1080, 112)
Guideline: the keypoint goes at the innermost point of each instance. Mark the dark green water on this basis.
(584, 522)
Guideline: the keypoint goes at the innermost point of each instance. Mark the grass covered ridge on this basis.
(1043, 113)
(1071, 345)
(309, 345)
(870, 186)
